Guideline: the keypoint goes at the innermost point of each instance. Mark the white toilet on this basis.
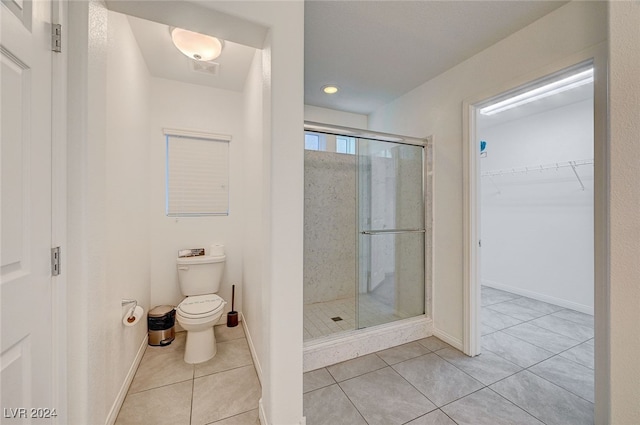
(199, 279)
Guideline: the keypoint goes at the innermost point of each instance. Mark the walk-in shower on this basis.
(366, 229)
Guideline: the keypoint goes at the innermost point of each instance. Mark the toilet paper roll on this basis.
(216, 250)
(138, 314)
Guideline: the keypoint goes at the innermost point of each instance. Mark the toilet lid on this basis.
(199, 305)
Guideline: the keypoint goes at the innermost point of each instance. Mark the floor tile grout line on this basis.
(159, 386)
(476, 379)
(355, 376)
(517, 405)
(541, 377)
(452, 364)
(518, 318)
(222, 371)
(352, 403)
(544, 348)
(428, 413)
(445, 413)
(193, 385)
(560, 386)
(407, 381)
(460, 398)
(229, 417)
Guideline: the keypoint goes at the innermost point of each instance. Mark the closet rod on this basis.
(556, 165)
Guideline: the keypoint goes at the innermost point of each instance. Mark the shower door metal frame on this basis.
(425, 144)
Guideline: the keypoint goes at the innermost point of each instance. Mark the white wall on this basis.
(331, 116)
(177, 105)
(537, 227)
(624, 238)
(127, 228)
(254, 237)
(86, 256)
(107, 256)
(283, 96)
(435, 108)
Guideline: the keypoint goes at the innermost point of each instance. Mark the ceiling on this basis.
(229, 71)
(374, 51)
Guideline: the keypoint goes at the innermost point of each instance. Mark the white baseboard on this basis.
(349, 345)
(252, 348)
(261, 414)
(117, 404)
(540, 297)
(449, 339)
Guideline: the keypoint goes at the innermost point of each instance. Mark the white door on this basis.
(25, 277)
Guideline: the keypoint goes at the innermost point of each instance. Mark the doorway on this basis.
(536, 197)
(532, 190)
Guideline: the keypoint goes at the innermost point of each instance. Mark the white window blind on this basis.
(197, 173)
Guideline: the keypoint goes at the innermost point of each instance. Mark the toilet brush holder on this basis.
(232, 316)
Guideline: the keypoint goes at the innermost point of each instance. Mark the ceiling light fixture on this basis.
(567, 83)
(196, 46)
(330, 89)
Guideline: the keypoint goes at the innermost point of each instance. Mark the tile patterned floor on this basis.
(166, 390)
(536, 368)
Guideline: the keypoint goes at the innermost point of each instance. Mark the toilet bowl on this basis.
(199, 279)
(197, 315)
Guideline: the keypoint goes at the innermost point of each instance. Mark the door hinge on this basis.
(55, 261)
(56, 38)
(480, 243)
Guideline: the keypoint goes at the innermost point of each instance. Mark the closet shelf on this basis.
(557, 165)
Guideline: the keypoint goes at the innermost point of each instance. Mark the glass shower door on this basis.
(391, 232)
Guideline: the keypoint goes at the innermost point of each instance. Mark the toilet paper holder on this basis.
(133, 309)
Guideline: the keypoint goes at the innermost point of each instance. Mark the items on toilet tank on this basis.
(193, 252)
(161, 322)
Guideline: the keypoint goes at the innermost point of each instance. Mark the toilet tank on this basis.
(200, 275)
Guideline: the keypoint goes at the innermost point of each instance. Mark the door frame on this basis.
(471, 215)
(59, 213)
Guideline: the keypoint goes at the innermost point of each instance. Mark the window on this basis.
(314, 141)
(346, 145)
(197, 173)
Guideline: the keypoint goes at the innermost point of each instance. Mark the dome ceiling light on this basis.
(196, 46)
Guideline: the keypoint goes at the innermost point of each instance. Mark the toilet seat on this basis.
(200, 306)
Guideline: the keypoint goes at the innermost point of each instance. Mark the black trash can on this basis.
(161, 322)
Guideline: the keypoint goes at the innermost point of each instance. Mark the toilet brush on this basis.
(232, 316)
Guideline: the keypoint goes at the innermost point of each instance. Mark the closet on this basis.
(537, 200)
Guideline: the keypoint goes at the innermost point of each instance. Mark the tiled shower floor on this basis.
(318, 316)
(536, 367)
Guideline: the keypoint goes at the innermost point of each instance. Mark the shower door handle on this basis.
(391, 231)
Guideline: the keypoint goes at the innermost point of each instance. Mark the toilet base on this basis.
(200, 347)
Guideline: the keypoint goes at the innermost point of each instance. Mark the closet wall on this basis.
(537, 226)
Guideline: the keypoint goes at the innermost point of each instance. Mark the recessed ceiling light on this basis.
(330, 89)
(196, 46)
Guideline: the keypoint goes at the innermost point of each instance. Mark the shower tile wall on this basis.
(329, 227)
